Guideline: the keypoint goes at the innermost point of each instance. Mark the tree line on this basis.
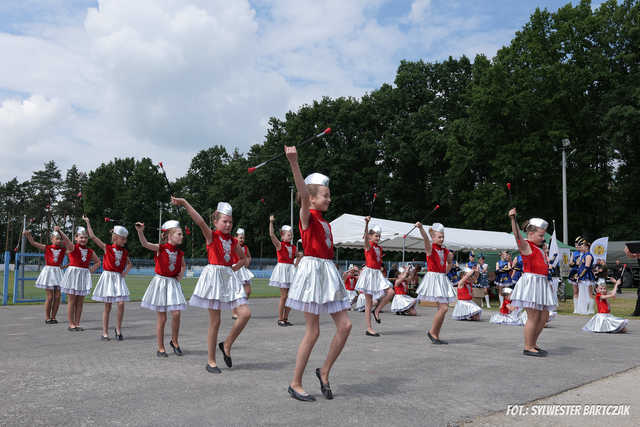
(451, 132)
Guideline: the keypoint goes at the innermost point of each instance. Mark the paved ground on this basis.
(50, 376)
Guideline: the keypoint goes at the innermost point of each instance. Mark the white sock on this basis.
(486, 298)
(501, 299)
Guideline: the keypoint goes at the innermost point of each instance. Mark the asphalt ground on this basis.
(50, 376)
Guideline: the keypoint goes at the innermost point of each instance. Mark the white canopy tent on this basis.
(348, 230)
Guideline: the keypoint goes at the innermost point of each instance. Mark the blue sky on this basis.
(167, 78)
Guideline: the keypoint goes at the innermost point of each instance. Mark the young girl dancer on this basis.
(465, 308)
(111, 286)
(218, 287)
(508, 314)
(403, 303)
(350, 278)
(483, 279)
(533, 291)
(371, 280)
(244, 274)
(586, 280)
(50, 277)
(164, 292)
(604, 321)
(76, 282)
(317, 286)
(503, 270)
(284, 271)
(435, 285)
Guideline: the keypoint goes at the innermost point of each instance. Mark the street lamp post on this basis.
(565, 225)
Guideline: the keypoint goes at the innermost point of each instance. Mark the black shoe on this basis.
(301, 397)
(369, 334)
(436, 341)
(177, 350)
(118, 335)
(103, 338)
(533, 353)
(287, 323)
(72, 329)
(213, 369)
(53, 321)
(377, 319)
(282, 323)
(227, 359)
(78, 328)
(324, 388)
(161, 353)
(47, 322)
(544, 352)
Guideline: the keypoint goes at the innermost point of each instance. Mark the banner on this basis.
(599, 249)
(564, 258)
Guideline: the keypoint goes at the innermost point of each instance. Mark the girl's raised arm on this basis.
(92, 235)
(68, 244)
(195, 216)
(143, 240)
(272, 234)
(37, 245)
(301, 187)
(523, 247)
(425, 237)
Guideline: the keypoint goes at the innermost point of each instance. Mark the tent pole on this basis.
(404, 240)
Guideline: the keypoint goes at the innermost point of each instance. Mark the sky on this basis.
(85, 81)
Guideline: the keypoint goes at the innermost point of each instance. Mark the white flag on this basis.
(599, 249)
(554, 250)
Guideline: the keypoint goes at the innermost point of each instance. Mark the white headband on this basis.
(539, 222)
(169, 225)
(55, 234)
(285, 228)
(120, 231)
(376, 229)
(317, 178)
(224, 208)
(81, 230)
(507, 290)
(239, 231)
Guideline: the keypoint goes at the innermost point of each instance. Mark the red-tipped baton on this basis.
(373, 201)
(509, 190)
(166, 179)
(107, 219)
(414, 227)
(277, 156)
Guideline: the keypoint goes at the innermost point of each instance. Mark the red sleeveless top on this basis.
(317, 239)
(80, 256)
(53, 255)
(115, 258)
(287, 253)
(535, 263)
(603, 304)
(168, 260)
(373, 256)
(350, 283)
(437, 261)
(464, 291)
(400, 288)
(220, 250)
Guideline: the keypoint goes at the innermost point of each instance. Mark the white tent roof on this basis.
(348, 233)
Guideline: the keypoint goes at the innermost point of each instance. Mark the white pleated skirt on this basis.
(511, 319)
(282, 275)
(402, 303)
(436, 287)
(372, 282)
(49, 278)
(605, 322)
(534, 291)
(111, 287)
(76, 281)
(164, 294)
(524, 316)
(584, 304)
(244, 275)
(317, 287)
(351, 295)
(218, 288)
(465, 310)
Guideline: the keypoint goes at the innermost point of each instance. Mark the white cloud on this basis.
(166, 78)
